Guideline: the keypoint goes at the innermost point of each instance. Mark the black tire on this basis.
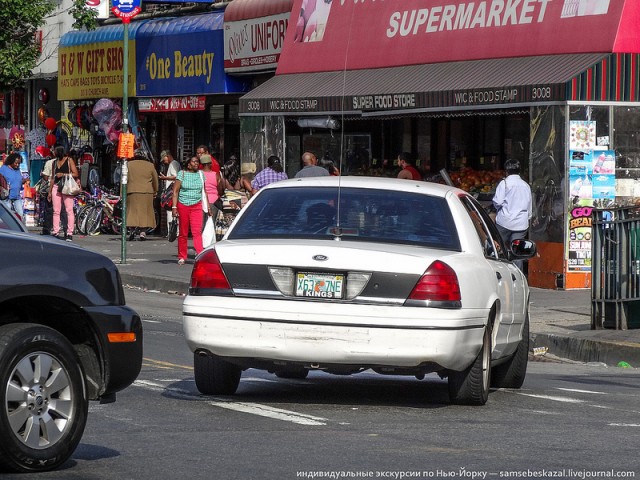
(471, 386)
(94, 221)
(296, 374)
(215, 376)
(57, 403)
(512, 373)
(81, 219)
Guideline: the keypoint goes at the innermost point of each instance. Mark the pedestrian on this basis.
(234, 182)
(213, 185)
(188, 206)
(330, 166)
(11, 170)
(512, 202)
(204, 150)
(141, 190)
(408, 166)
(62, 166)
(311, 168)
(272, 173)
(172, 168)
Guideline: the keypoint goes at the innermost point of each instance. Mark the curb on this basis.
(586, 350)
(167, 285)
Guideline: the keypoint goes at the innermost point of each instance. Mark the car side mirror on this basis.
(523, 248)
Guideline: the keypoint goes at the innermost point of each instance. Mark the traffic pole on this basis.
(124, 171)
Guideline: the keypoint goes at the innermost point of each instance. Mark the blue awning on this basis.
(146, 29)
(110, 33)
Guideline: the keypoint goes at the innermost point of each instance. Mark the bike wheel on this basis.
(94, 221)
(81, 219)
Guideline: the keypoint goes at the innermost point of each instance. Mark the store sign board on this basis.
(463, 99)
(172, 104)
(359, 34)
(187, 64)
(254, 44)
(100, 6)
(94, 70)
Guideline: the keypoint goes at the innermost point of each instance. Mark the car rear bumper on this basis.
(337, 337)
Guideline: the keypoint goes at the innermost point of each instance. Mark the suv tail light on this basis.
(207, 272)
(438, 284)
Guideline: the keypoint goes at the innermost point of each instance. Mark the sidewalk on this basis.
(560, 320)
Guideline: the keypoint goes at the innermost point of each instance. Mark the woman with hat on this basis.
(213, 185)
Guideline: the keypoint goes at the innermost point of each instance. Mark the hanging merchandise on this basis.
(43, 114)
(108, 115)
(50, 123)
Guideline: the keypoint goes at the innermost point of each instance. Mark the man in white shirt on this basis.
(513, 204)
(173, 167)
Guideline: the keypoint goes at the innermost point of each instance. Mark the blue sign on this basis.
(183, 56)
(126, 6)
(126, 9)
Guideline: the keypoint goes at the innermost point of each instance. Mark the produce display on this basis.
(477, 181)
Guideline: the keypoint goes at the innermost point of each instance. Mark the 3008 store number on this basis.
(541, 93)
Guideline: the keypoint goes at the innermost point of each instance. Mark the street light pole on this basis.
(124, 171)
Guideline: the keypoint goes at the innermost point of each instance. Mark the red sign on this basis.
(172, 104)
(358, 34)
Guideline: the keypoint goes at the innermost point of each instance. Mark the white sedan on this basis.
(344, 274)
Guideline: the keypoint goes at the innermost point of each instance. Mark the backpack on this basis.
(4, 188)
(166, 199)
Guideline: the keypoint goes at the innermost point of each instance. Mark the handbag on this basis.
(173, 230)
(166, 199)
(209, 233)
(70, 187)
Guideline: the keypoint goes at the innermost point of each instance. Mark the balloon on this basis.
(43, 113)
(51, 139)
(50, 123)
(43, 95)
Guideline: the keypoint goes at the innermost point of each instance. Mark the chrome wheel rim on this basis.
(39, 401)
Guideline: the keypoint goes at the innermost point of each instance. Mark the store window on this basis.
(626, 140)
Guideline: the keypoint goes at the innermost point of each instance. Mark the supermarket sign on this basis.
(172, 104)
(366, 34)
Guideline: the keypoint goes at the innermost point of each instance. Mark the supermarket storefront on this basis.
(464, 87)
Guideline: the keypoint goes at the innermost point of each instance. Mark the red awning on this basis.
(246, 9)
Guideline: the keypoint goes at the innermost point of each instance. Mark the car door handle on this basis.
(499, 275)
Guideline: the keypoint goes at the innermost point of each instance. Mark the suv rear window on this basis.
(364, 215)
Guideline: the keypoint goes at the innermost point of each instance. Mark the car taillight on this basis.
(207, 272)
(439, 284)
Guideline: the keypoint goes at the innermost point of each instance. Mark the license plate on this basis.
(319, 285)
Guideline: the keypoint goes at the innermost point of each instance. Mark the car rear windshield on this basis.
(364, 215)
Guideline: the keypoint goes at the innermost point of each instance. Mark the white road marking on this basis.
(581, 391)
(251, 408)
(150, 321)
(624, 424)
(271, 412)
(551, 397)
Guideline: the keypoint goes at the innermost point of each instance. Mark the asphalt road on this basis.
(569, 420)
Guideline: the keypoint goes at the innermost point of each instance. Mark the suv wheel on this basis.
(43, 400)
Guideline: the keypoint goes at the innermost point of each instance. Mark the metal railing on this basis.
(615, 255)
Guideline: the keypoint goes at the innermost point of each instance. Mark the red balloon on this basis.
(50, 123)
(51, 139)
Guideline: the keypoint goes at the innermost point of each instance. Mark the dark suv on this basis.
(66, 337)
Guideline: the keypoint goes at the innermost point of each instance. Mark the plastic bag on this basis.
(70, 187)
(209, 233)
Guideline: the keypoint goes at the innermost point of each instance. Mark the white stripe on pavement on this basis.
(581, 391)
(271, 412)
(251, 408)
